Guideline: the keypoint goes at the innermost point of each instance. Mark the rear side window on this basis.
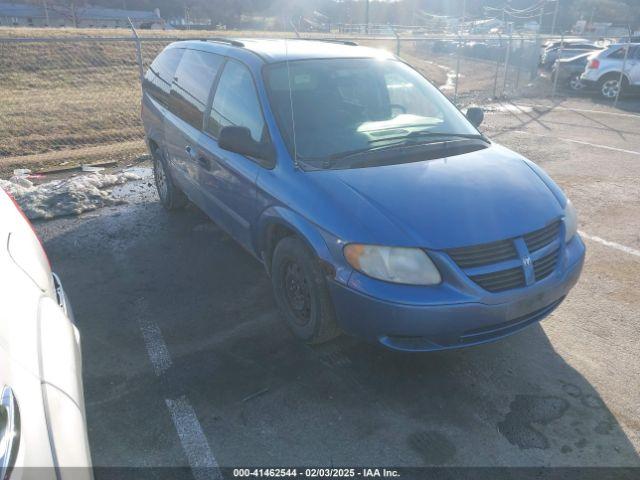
(159, 76)
(619, 53)
(236, 102)
(192, 84)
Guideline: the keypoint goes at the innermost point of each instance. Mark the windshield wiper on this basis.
(429, 133)
(404, 141)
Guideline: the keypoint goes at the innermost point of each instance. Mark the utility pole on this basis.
(366, 17)
(46, 12)
(460, 26)
(555, 17)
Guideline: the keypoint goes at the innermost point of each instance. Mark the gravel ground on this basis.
(183, 345)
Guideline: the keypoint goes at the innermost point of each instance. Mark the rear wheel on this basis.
(170, 195)
(302, 293)
(609, 86)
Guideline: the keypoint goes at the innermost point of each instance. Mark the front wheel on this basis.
(575, 84)
(302, 293)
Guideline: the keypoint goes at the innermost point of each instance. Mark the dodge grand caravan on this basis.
(376, 207)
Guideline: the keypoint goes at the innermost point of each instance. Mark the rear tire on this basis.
(609, 85)
(170, 195)
(301, 292)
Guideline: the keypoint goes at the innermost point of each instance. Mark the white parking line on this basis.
(617, 246)
(194, 443)
(597, 145)
(154, 342)
(584, 110)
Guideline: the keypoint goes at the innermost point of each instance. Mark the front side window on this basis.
(192, 84)
(236, 103)
(333, 108)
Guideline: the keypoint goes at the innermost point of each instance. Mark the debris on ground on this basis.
(256, 394)
(69, 196)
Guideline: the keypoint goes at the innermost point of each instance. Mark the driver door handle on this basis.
(189, 150)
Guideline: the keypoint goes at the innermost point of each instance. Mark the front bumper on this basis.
(440, 326)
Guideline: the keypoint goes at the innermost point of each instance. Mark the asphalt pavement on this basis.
(187, 361)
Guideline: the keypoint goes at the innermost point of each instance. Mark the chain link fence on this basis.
(73, 100)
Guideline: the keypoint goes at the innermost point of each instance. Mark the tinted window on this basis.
(619, 53)
(193, 82)
(159, 76)
(236, 102)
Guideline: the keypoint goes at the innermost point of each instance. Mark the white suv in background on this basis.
(604, 68)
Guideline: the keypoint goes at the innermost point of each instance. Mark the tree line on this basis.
(232, 13)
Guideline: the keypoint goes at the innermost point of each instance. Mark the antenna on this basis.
(293, 117)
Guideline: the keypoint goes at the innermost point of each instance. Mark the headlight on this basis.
(570, 221)
(393, 264)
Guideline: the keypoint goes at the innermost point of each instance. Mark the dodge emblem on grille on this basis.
(526, 261)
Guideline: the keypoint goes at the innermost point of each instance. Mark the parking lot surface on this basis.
(186, 361)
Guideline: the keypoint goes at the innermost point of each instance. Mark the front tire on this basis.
(170, 195)
(575, 84)
(301, 292)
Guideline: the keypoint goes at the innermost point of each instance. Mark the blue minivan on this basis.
(377, 208)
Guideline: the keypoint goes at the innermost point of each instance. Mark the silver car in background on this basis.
(604, 68)
(568, 50)
(42, 416)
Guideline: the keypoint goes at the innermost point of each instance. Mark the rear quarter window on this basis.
(619, 53)
(159, 76)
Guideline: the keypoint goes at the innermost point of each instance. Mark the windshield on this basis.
(347, 106)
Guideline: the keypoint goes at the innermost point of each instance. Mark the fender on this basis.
(154, 135)
(615, 73)
(306, 230)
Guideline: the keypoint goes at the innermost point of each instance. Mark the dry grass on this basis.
(79, 101)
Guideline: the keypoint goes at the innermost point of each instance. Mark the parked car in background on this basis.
(604, 70)
(376, 207)
(633, 39)
(552, 54)
(42, 416)
(568, 71)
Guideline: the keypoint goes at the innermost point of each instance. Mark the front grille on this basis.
(501, 280)
(478, 255)
(504, 250)
(543, 237)
(544, 266)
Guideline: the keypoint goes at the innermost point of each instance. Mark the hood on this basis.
(469, 199)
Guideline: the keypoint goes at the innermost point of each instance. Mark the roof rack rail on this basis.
(331, 40)
(228, 41)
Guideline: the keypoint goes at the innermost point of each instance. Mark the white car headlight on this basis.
(393, 264)
(570, 221)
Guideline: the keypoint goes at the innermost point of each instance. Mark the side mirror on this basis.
(475, 115)
(239, 140)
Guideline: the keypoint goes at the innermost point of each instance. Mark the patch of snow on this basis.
(70, 196)
(507, 107)
(142, 172)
